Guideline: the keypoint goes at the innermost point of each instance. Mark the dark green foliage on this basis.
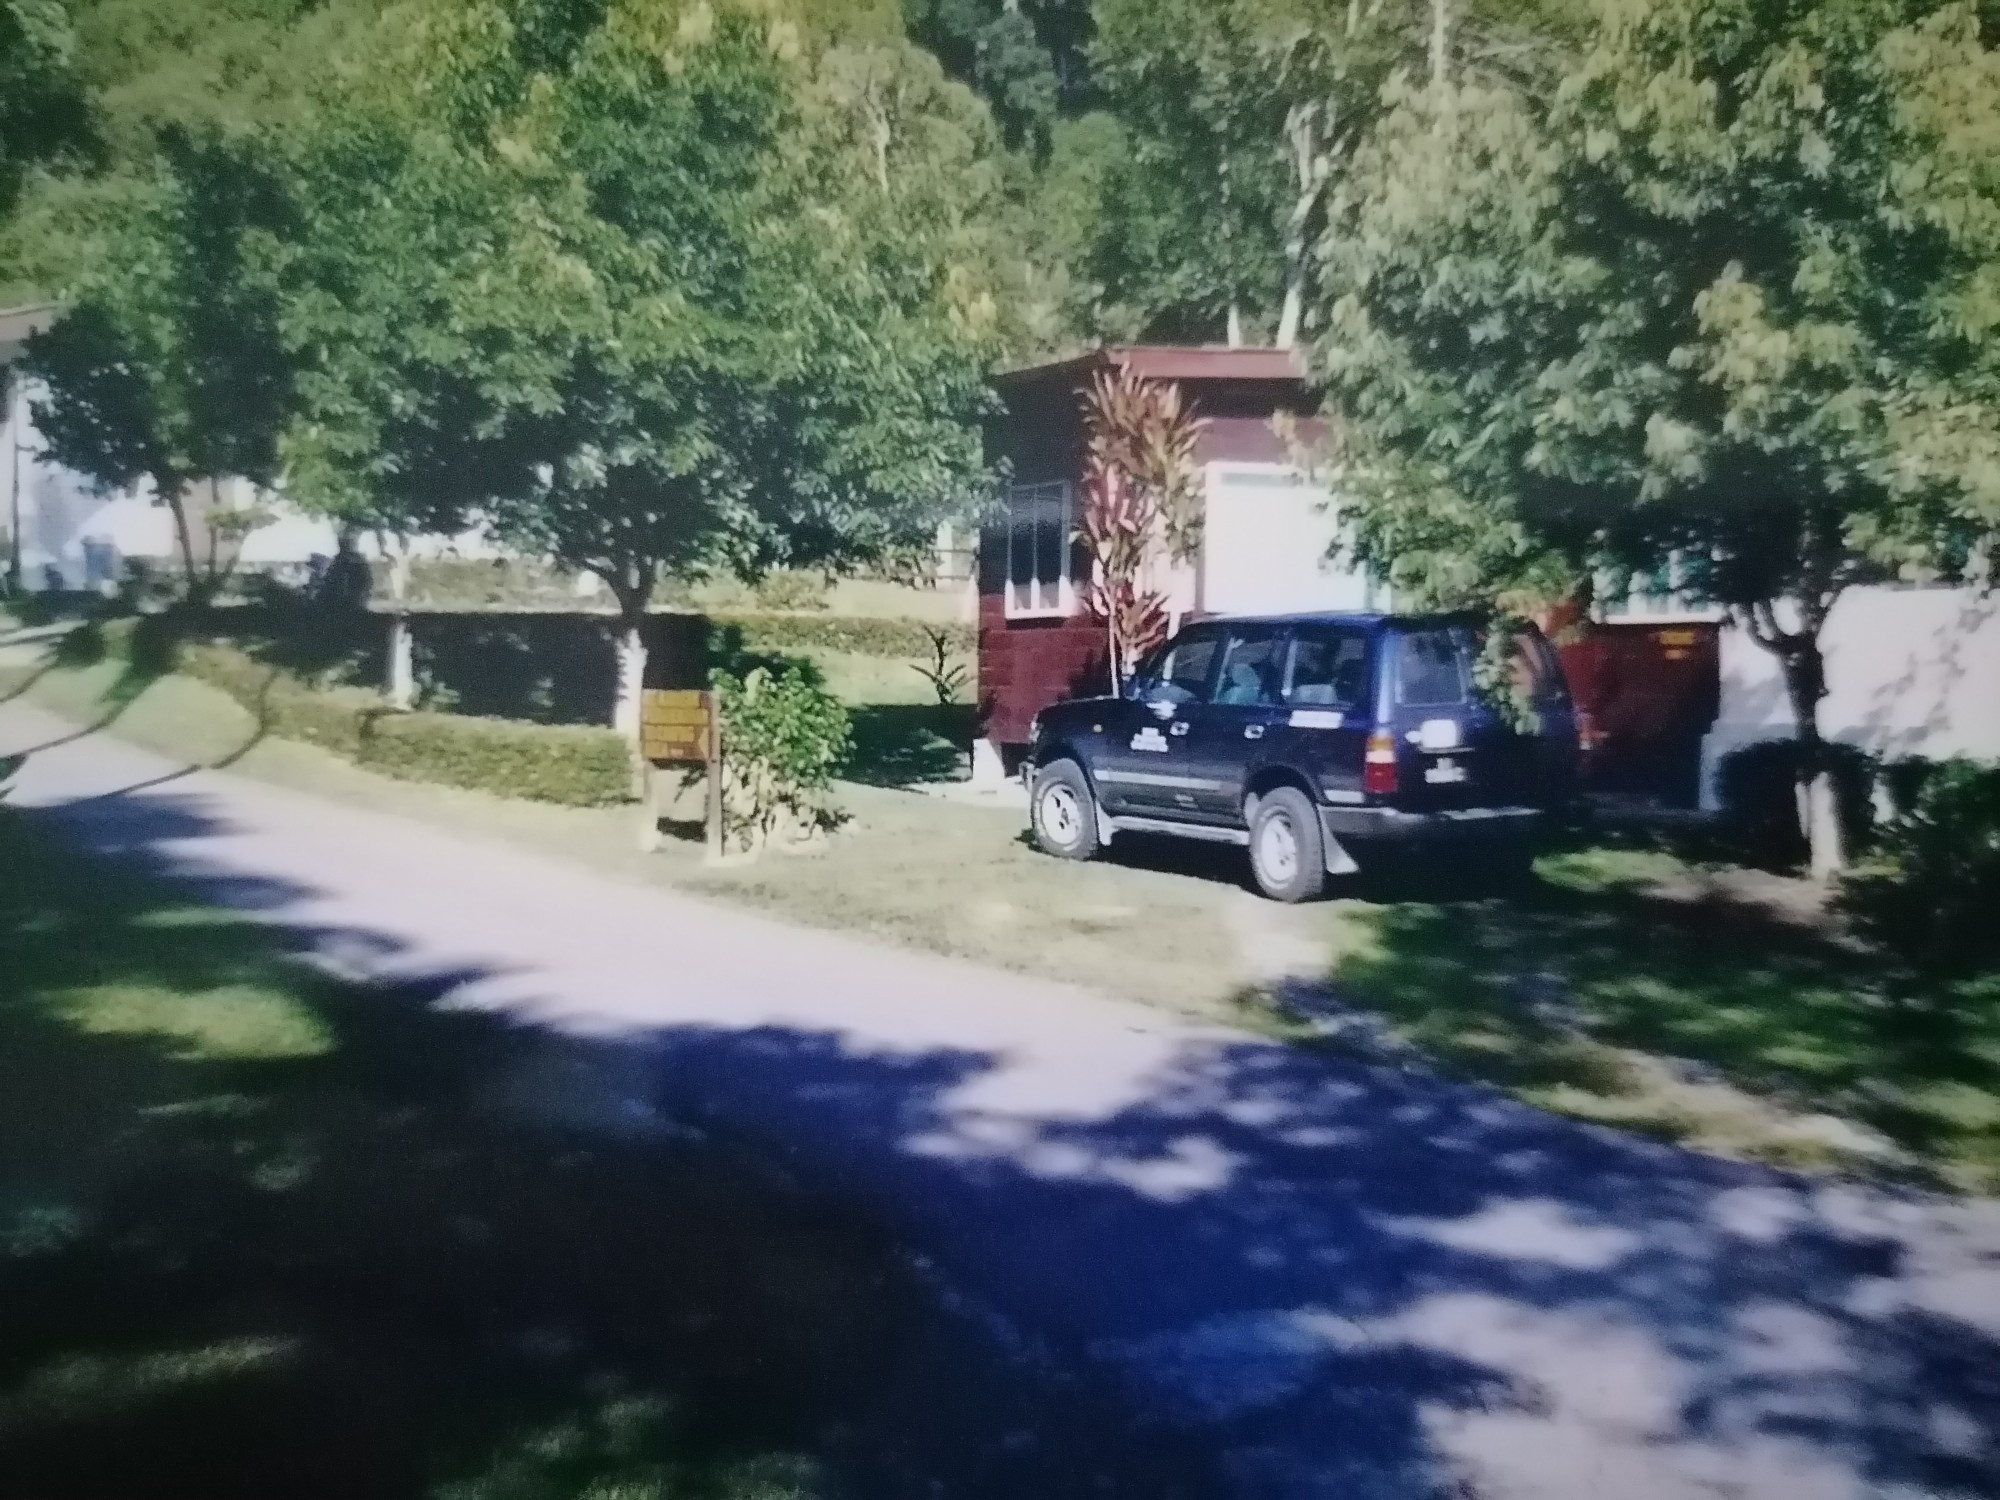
(1932, 890)
(1029, 62)
(1758, 788)
(44, 115)
(547, 669)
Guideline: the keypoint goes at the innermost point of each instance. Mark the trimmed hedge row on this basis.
(569, 765)
(860, 634)
(574, 767)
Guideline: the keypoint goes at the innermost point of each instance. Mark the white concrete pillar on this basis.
(989, 769)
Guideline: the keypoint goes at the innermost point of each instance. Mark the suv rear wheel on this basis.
(1287, 850)
(1063, 811)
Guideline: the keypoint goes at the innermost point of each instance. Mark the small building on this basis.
(1268, 535)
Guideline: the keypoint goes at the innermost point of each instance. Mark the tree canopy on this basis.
(1721, 301)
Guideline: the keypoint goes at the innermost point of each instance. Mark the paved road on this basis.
(1346, 1284)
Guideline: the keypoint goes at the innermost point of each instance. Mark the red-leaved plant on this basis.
(1141, 506)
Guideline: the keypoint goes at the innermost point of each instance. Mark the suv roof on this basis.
(1346, 617)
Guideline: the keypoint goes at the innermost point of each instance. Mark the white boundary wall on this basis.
(1910, 671)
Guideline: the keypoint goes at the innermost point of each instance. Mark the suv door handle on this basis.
(1253, 731)
(1180, 728)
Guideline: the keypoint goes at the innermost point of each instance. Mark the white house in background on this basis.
(72, 535)
(1910, 671)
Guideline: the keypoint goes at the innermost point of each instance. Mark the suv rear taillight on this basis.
(1378, 765)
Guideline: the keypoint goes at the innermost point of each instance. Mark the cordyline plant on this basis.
(1141, 502)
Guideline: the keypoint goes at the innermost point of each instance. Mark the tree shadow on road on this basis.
(1253, 1271)
(266, 1232)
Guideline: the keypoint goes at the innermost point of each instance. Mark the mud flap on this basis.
(1338, 860)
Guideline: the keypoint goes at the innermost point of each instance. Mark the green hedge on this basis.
(574, 767)
(1757, 786)
(1932, 890)
(859, 634)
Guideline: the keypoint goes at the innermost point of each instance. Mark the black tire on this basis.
(1287, 850)
(1062, 811)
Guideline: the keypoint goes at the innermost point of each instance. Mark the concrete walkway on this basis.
(1345, 1284)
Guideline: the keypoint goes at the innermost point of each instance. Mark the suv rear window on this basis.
(1431, 668)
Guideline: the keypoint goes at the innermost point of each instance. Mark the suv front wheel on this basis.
(1064, 812)
(1287, 850)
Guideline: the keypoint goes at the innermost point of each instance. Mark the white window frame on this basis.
(1051, 598)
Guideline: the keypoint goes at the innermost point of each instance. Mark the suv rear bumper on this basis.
(1463, 825)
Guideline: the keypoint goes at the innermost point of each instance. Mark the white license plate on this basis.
(1444, 773)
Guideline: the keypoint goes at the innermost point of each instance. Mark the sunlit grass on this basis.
(1623, 988)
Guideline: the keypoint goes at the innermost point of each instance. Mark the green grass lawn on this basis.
(1633, 986)
(263, 1235)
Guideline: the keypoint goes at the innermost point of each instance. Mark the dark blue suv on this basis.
(1310, 739)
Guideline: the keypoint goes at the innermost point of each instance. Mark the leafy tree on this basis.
(1029, 61)
(167, 367)
(1721, 302)
(44, 114)
(627, 308)
(1242, 114)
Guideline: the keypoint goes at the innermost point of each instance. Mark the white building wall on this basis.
(1910, 671)
(1267, 543)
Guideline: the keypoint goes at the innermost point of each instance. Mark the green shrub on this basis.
(545, 763)
(783, 738)
(1931, 890)
(1758, 788)
(862, 635)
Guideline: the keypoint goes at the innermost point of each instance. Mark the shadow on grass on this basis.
(1632, 949)
(904, 744)
(264, 1233)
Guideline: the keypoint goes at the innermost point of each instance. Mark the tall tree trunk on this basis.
(631, 648)
(1440, 42)
(402, 645)
(1309, 170)
(184, 539)
(1235, 325)
(1804, 669)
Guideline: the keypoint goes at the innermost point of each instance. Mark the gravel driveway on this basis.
(1344, 1283)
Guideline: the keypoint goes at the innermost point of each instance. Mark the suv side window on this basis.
(1181, 675)
(1250, 668)
(1431, 668)
(1328, 669)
